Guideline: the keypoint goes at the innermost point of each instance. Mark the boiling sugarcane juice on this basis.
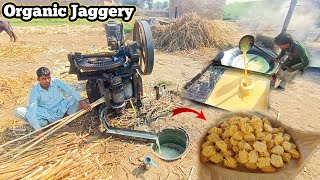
(169, 150)
(254, 63)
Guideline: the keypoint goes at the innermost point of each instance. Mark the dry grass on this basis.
(59, 29)
(14, 91)
(193, 32)
(20, 51)
(72, 156)
(151, 111)
(11, 128)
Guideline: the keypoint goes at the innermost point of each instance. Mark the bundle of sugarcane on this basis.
(55, 158)
(50, 129)
(60, 157)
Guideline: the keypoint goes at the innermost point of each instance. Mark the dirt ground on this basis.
(298, 105)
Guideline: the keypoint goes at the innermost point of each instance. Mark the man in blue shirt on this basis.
(47, 104)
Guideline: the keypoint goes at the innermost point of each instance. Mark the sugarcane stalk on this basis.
(96, 144)
(61, 158)
(10, 170)
(87, 171)
(59, 168)
(58, 126)
(47, 170)
(46, 176)
(34, 173)
(33, 132)
(5, 176)
(47, 154)
(93, 174)
(40, 137)
(63, 174)
(21, 174)
(100, 166)
(61, 139)
(35, 156)
(67, 170)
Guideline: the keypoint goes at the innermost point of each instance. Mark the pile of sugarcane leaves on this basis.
(62, 156)
(192, 31)
(151, 111)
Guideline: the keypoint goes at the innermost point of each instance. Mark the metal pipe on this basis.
(127, 133)
(263, 50)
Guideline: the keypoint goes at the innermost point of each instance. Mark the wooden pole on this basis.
(289, 15)
(27, 135)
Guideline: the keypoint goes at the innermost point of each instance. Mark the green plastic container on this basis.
(174, 143)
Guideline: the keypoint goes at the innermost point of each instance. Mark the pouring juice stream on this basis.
(158, 144)
(245, 47)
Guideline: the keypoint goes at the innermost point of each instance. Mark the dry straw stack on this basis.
(152, 110)
(63, 156)
(192, 32)
(56, 158)
(14, 89)
(69, 29)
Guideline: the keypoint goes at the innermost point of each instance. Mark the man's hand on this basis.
(85, 105)
(274, 78)
(290, 70)
(286, 68)
(275, 59)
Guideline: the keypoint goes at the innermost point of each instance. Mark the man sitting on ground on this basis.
(297, 59)
(47, 103)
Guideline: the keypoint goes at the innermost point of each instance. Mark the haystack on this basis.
(192, 32)
(15, 90)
